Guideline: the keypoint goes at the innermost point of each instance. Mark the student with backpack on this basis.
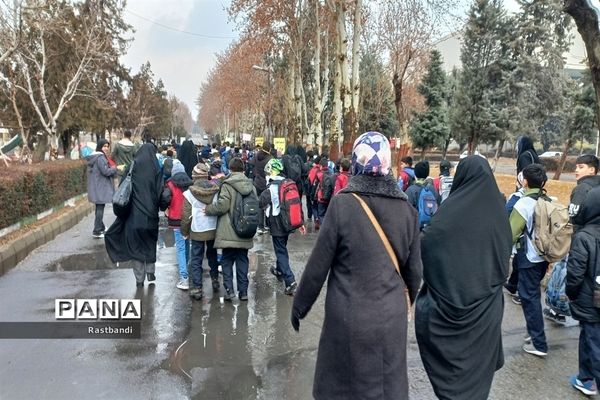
(308, 165)
(422, 194)
(342, 178)
(534, 248)
(237, 209)
(293, 165)
(173, 193)
(283, 205)
(201, 229)
(324, 191)
(586, 169)
(313, 186)
(583, 290)
(406, 176)
(443, 183)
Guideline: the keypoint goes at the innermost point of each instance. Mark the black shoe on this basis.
(509, 289)
(215, 284)
(151, 277)
(290, 290)
(228, 296)
(139, 284)
(243, 296)
(276, 273)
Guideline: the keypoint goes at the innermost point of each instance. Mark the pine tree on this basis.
(431, 127)
(475, 114)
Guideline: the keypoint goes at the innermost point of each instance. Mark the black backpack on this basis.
(328, 186)
(293, 168)
(244, 218)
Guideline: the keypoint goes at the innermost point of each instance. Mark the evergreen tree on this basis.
(476, 119)
(377, 111)
(431, 127)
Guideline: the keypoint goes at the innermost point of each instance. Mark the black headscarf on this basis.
(146, 180)
(188, 155)
(466, 248)
(101, 144)
(526, 153)
(465, 254)
(135, 237)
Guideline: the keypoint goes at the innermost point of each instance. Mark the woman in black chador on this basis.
(134, 238)
(459, 309)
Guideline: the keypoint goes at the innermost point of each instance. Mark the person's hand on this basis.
(185, 237)
(303, 230)
(121, 167)
(295, 322)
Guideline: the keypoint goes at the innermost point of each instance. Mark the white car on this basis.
(551, 154)
(465, 153)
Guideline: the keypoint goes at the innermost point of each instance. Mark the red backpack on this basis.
(290, 205)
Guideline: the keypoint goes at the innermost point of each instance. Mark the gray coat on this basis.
(362, 350)
(226, 237)
(100, 184)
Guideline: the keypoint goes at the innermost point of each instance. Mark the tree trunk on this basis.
(586, 19)
(498, 153)
(563, 158)
(40, 149)
(342, 57)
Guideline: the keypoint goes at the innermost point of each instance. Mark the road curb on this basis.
(16, 250)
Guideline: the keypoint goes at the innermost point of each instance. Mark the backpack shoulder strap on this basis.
(387, 245)
(382, 236)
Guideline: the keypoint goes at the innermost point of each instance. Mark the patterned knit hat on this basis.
(371, 155)
(200, 172)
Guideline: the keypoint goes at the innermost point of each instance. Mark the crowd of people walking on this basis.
(217, 199)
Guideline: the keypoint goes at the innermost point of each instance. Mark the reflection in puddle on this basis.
(86, 262)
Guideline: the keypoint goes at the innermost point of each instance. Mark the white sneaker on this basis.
(97, 235)
(183, 284)
(530, 348)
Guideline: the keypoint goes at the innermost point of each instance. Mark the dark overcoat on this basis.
(362, 350)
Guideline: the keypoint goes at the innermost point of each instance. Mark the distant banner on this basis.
(279, 144)
(246, 137)
(258, 141)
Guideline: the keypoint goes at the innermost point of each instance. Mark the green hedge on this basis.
(28, 190)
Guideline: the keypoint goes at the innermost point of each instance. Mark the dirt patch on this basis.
(559, 189)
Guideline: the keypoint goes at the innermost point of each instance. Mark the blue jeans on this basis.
(240, 258)
(198, 256)
(589, 352)
(530, 277)
(180, 246)
(322, 210)
(315, 209)
(283, 260)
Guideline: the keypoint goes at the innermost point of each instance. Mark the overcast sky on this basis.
(182, 59)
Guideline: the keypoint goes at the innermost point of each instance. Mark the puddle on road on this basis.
(86, 262)
(99, 260)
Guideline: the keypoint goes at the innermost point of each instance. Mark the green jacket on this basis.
(226, 236)
(203, 191)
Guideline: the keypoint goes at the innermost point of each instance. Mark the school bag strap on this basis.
(387, 245)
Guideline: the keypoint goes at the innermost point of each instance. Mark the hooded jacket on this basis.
(234, 185)
(584, 185)
(124, 152)
(584, 261)
(526, 153)
(258, 162)
(203, 191)
(176, 185)
(99, 179)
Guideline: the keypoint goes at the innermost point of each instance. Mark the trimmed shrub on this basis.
(552, 163)
(28, 190)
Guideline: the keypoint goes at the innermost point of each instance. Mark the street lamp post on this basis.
(269, 72)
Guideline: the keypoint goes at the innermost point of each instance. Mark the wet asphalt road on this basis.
(208, 349)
